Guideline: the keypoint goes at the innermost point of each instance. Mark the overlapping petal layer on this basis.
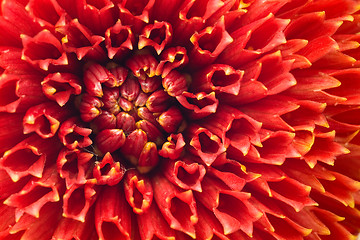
(195, 119)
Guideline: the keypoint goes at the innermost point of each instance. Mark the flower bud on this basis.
(109, 140)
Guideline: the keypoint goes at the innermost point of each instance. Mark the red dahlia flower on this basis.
(179, 119)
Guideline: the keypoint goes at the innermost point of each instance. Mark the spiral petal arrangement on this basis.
(179, 119)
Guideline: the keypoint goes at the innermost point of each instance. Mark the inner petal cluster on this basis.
(131, 109)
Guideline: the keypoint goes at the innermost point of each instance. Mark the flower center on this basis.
(132, 109)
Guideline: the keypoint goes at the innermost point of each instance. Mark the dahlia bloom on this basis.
(179, 119)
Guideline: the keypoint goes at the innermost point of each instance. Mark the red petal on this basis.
(205, 144)
(178, 208)
(35, 194)
(44, 119)
(79, 40)
(173, 147)
(43, 50)
(156, 35)
(185, 174)
(78, 199)
(152, 224)
(73, 135)
(29, 157)
(112, 215)
(138, 191)
(108, 171)
(73, 166)
(60, 86)
(208, 44)
(119, 40)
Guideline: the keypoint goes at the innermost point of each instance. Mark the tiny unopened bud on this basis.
(148, 157)
(109, 140)
(159, 101)
(89, 107)
(170, 120)
(130, 89)
(125, 122)
(174, 83)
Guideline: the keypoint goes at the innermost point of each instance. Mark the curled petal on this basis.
(139, 10)
(120, 74)
(97, 16)
(208, 227)
(43, 50)
(47, 13)
(105, 121)
(178, 208)
(142, 65)
(199, 105)
(149, 84)
(270, 112)
(152, 132)
(276, 185)
(112, 215)
(219, 78)
(174, 147)
(28, 157)
(110, 100)
(19, 94)
(347, 89)
(125, 104)
(208, 44)
(275, 148)
(233, 174)
(44, 119)
(185, 174)
(192, 17)
(35, 194)
(254, 39)
(156, 35)
(73, 135)
(324, 150)
(79, 40)
(138, 191)
(108, 171)
(235, 128)
(78, 199)
(119, 40)
(316, 85)
(73, 166)
(205, 144)
(222, 203)
(145, 114)
(134, 144)
(146, 87)
(60, 86)
(172, 58)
